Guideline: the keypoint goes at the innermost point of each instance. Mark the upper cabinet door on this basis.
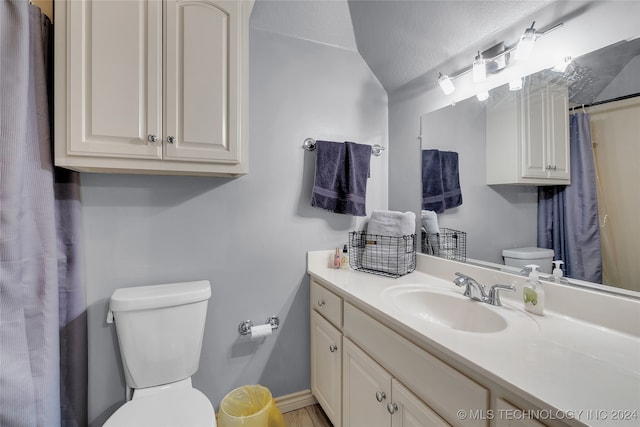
(534, 134)
(114, 78)
(203, 72)
(559, 142)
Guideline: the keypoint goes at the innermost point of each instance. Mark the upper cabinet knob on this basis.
(171, 139)
(152, 138)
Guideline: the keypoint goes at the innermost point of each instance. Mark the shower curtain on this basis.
(568, 216)
(43, 372)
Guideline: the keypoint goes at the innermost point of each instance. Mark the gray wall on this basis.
(494, 217)
(248, 236)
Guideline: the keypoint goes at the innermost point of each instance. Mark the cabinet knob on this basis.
(333, 348)
(392, 408)
(171, 139)
(320, 303)
(380, 396)
(152, 138)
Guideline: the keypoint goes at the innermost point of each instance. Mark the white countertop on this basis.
(589, 372)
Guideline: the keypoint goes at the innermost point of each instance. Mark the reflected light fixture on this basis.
(525, 45)
(515, 84)
(483, 96)
(446, 84)
(561, 66)
(479, 68)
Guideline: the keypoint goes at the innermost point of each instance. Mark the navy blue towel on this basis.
(342, 171)
(440, 180)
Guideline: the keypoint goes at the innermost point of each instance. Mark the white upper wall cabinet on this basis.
(528, 137)
(152, 86)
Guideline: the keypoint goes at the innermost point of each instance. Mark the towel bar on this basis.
(309, 144)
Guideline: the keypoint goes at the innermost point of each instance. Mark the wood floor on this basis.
(310, 416)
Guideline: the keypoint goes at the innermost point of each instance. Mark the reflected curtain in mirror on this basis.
(615, 130)
(568, 219)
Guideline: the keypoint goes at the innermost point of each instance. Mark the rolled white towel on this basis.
(392, 223)
(430, 222)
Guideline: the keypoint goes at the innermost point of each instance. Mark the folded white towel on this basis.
(392, 223)
(430, 222)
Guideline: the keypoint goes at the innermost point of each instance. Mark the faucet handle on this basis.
(494, 295)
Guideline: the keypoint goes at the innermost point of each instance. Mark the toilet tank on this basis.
(521, 257)
(160, 330)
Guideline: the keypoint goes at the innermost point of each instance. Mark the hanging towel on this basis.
(440, 180)
(450, 179)
(342, 171)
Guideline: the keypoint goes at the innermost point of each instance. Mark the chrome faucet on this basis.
(476, 291)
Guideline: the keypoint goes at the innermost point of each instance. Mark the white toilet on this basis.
(160, 330)
(521, 257)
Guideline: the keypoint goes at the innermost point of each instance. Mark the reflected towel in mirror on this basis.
(440, 180)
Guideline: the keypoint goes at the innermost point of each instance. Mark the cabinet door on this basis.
(534, 134)
(366, 390)
(558, 137)
(326, 367)
(113, 77)
(203, 80)
(411, 411)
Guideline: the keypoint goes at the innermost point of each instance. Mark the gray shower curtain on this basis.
(43, 368)
(568, 216)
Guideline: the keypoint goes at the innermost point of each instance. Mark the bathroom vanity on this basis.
(414, 351)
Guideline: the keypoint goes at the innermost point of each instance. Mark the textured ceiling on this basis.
(322, 21)
(406, 42)
(401, 40)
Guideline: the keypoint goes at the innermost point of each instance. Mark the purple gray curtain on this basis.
(43, 367)
(568, 216)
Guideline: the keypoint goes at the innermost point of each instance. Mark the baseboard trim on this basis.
(294, 401)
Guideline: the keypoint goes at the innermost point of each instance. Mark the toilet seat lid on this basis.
(174, 408)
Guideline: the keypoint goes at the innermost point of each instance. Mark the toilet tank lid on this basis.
(527, 253)
(158, 296)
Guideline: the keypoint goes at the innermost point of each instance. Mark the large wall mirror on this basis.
(605, 84)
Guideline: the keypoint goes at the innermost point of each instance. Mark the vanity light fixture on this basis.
(525, 45)
(446, 84)
(496, 60)
(562, 66)
(515, 84)
(479, 69)
(483, 96)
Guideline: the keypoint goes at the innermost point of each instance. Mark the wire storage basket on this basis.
(449, 244)
(383, 255)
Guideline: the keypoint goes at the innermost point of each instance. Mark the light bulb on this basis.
(479, 69)
(525, 45)
(515, 84)
(446, 84)
(483, 96)
(561, 66)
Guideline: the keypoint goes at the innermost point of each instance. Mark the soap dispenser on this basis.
(533, 294)
(344, 260)
(557, 271)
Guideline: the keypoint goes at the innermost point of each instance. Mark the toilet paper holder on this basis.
(245, 326)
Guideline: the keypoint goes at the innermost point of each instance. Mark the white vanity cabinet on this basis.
(527, 137)
(149, 86)
(326, 351)
(364, 374)
(326, 367)
(373, 398)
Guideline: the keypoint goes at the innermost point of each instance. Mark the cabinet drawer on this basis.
(443, 388)
(507, 415)
(326, 303)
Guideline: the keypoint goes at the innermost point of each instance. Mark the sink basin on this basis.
(451, 310)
